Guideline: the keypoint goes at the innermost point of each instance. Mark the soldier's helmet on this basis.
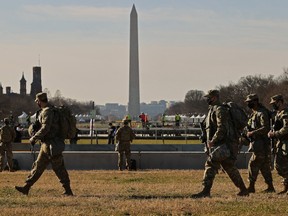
(251, 97)
(276, 98)
(211, 93)
(42, 96)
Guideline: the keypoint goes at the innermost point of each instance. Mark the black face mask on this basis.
(275, 106)
(209, 101)
(250, 104)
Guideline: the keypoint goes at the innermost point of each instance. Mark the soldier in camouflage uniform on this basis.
(7, 135)
(51, 149)
(258, 127)
(124, 137)
(220, 142)
(281, 134)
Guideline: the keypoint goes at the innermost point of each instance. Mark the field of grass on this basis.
(147, 192)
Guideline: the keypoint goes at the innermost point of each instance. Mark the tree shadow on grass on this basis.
(136, 197)
(157, 197)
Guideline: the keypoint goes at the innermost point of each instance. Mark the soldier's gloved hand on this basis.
(271, 134)
(250, 133)
(210, 144)
(32, 141)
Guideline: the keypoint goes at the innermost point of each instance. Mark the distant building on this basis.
(8, 90)
(23, 85)
(113, 110)
(36, 85)
(154, 108)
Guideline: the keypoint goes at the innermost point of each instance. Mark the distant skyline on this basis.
(183, 45)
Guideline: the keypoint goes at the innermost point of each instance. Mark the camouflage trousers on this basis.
(6, 148)
(228, 164)
(281, 165)
(260, 162)
(124, 148)
(44, 158)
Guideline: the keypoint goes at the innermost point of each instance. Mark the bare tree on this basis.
(195, 102)
(176, 108)
(194, 95)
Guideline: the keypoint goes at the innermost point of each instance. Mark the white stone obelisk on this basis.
(134, 92)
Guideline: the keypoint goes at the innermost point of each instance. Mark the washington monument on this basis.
(134, 93)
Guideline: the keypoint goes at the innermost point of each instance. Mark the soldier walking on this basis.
(124, 136)
(51, 149)
(280, 132)
(220, 141)
(7, 135)
(111, 133)
(258, 127)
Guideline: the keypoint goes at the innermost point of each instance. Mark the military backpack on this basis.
(238, 121)
(238, 116)
(67, 122)
(6, 134)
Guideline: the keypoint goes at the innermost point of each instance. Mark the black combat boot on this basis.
(204, 193)
(284, 190)
(251, 188)
(243, 190)
(24, 190)
(67, 191)
(270, 188)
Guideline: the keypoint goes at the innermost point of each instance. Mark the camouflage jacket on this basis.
(125, 134)
(281, 117)
(7, 134)
(259, 123)
(49, 124)
(217, 124)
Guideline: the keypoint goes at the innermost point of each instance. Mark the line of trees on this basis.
(263, 86)
(194, 102)
(15, 104)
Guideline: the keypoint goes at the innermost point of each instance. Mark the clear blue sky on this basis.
(183, 45)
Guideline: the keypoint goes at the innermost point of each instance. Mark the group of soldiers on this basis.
(222, 139)
(221, 142)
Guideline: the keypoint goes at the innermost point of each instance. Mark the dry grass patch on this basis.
(151, 192)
